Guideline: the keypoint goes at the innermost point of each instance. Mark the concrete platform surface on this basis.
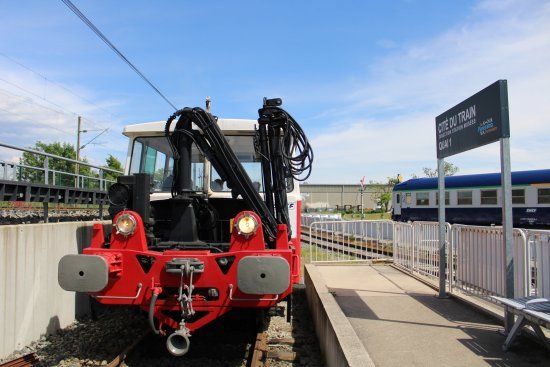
(401, 322)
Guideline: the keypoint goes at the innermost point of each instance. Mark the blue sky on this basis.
(365, 79)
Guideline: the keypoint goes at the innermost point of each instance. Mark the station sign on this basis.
(479, 120)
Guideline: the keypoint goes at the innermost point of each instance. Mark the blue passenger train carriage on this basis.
(476, 199)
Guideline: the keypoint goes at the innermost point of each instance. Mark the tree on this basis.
(449, 169)
(383, 197)
(384, 200)
(112, 163)
(64, 169)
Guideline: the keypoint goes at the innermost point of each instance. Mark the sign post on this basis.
(479, 120)
(442, 237)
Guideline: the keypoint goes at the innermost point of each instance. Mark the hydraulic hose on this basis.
(152, 312)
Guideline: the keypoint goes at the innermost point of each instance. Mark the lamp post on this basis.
(362, 189)
(79, 147)
(77, 168)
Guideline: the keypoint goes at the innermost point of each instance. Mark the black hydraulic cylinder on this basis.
(183, 181)
(215, 147)
(279, 180)
(265, 154)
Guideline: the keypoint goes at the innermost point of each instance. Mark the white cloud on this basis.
(498, 40)
(34, 108)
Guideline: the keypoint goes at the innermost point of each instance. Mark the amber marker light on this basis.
(125, 224)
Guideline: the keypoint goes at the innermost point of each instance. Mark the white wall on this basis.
(31, 301)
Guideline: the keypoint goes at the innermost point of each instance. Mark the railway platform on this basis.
(376, 315)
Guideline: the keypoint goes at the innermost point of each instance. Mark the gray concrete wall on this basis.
(31, 301)
(339, 343)
(329, 196)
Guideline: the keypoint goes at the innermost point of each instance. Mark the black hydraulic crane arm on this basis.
(285, 153)
(212, 143)
(284, 149)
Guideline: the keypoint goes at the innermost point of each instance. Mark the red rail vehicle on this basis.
(206, 220)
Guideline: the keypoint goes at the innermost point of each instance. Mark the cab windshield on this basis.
(243, 147)
(153, 155)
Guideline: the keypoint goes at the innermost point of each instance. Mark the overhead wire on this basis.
(29, 100)
(90, 25)
(35, 122)
(55, 83)
(62, 110)
(94, 138)
(36, 95)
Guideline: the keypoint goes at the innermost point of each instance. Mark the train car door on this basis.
(397, 204)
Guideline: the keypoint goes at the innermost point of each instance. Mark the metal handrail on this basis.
(58, 157)
(46, 170)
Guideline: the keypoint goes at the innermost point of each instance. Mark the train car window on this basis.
(408, 199)
(422, 198)
(543, 196)
(488, 197)
(447, 199)
(153, 155)
(518, 196)
(136, 157)
(243, 146)
(398, 199)
(464, 197)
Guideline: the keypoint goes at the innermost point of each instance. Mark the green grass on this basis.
(368, 216)
(320, 254)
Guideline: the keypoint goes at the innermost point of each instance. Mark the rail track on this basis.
(264, 350)
(120, 359)
(27, 360)
(260, 350)
(33, 214)
(267, 348)
(368, 249)
(121, 337)
(247, 340)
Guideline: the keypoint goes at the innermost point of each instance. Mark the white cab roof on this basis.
(157, 128)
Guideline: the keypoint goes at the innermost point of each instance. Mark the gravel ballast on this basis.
(224, 342)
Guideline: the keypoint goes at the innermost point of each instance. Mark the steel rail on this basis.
(28, 360)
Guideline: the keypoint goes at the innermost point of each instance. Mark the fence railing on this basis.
(332, 241)
(475, 254)
(538, 260)
(419, 250)
(12, 171)
(308, 219)
(479, 260)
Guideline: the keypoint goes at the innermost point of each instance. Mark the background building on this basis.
(330, 196)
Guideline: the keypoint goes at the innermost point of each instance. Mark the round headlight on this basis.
(125, 224)
(246, 225)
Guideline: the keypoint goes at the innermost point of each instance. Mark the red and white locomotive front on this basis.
(225, 261)
(196, 286)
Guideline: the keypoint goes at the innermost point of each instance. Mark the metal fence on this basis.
(334, 241)
(417, 247)
(45, 174)
(308, 219)
(479, 260)
(538, 260)
(475, 255)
